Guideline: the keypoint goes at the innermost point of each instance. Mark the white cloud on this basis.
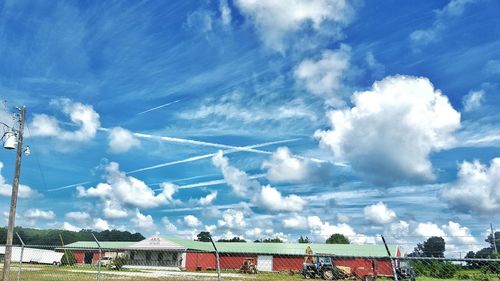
(379, 213)
(324, 77)
(295, 222)
(225, 12)
(121, 140)
(473, 100)
(238, 180)
(492, 67)
(68, 226)
(169, 227)
(477, 188)
(272, 200)
(323, 230)
(207, 200)
(391, 130)
(24, 191)
(275, 19)
(454, 8)
(191, 221)
(121, 190)
(342, 218)
(39, 214)
(100, 224)
(283, 166)
(232, 219)
(143, 222)
(77, 216)
(428, 229)
(80, 114)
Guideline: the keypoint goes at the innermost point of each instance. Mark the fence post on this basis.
(394, 273)
(21, 258)
(219, 278)
(98, 277)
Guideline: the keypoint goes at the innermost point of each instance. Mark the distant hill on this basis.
(50, 237)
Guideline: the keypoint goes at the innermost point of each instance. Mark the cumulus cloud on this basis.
(323, 230)
(143, 222)
(77, 216)
(232, 219)
(295, 222)
(324, 76)
(266, 197)
(39, 214)
(191, 221)
(454, 8)
(275, 19)
(24, 192)
(283, 166)
(379, 213)
(100, 224)
(81, 115)
(68, 226)
(169, 227)
(477, 188)
(121, 191)
(473, 100)
(207, 200)
(391, 130)
(122, 140)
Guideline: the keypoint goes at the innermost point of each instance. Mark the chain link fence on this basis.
(96, 260)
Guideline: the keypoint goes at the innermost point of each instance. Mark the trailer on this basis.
(33, 255)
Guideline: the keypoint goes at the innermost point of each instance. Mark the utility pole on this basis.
(13, 199)
(493, 237)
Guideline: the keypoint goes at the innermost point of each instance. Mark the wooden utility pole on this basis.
(13, 199)
(493, 237)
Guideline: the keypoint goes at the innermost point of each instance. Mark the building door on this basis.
(265, 263)
(88, 257)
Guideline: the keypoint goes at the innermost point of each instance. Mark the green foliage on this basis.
(119, 261)
(337, 238)
(68, 258)
(51, 237)
(304, 240)
(432, 247)
(203, 236)
(269, 240)
(234, 239)
(435, 269)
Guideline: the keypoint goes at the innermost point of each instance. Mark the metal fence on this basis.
(96, 262)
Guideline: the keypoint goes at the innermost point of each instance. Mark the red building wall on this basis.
(234, 261)
(200, 261)
(80, 255)
(287, 263)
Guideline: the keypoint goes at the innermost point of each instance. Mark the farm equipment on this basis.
(322, 268)
(248, 266)
(405, 272)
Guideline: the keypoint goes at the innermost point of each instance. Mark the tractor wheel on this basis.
(368, 278)
(307, 276)
(327, 274)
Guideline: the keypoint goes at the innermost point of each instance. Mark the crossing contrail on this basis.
(212, 182)
(232, 149)
(68, 186)
(158, 107)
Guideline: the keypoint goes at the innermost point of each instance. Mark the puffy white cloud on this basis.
(477, 188)
(283, 166)
(275, 19)
(77, 216)
(379, 213)
(391, 130)
(473, 100)
(232, 219)
(428, 229)
(169, 227)
(68, 226)
(323, 230)
(238, 180)
(100, 224)
(324, 76)
(121, 191)
(207, 200)
(24, 191)
(143, 222)
(121, 140)
(191, 221)
(454, 8)
(80, 114)
(295, 222)
(39, 214)
(271, 199)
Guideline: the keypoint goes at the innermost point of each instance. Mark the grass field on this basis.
(77, 273)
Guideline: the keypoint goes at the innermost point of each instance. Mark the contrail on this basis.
(232, 149)
(158, 107)
(212, 182)
(68, 186)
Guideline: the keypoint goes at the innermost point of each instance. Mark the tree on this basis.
(432, 247)
(269, 240)
(119, 261)
(337, 238)
(492, 241)
(234, 239)
(68, 258)
(203, 236)
(304, 240)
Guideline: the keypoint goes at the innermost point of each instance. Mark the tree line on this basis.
(336, 238)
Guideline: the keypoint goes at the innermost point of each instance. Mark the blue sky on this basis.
(332, 116)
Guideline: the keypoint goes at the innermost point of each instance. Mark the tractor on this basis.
(405, 272)
(322, 267)
(248, 266)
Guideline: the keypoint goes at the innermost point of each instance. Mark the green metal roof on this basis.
(287, 248)
(93, 245)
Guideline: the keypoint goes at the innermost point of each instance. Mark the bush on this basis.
(463, 276)
(443, 270)
(68, 258)
(481, 277)
(119, 261)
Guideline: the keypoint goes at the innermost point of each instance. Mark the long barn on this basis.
(194, 255)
